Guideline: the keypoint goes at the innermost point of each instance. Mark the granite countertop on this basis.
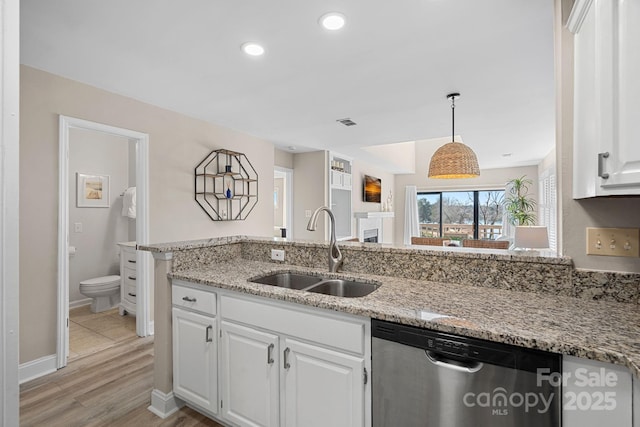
(597, 330)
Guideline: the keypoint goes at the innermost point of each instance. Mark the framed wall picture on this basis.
(92, 191)
(372, 189)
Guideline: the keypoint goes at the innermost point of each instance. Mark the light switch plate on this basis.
(77, 227)
(624, 242)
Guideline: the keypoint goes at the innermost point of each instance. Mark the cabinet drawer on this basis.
(129, 257)
(194, 299)
(129, 276)
(130, 292)
(344, 334)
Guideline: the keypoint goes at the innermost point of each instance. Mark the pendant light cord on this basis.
(453, 118)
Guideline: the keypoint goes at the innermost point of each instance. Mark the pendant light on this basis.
(454, 159)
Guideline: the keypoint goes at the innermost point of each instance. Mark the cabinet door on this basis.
(322, 387)
(249, 376)
(623, 163)
(336, 178)
(195, 363)
(346, 181)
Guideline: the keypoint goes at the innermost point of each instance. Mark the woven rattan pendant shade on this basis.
(454, 159)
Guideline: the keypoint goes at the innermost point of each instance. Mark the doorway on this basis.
(139, 149)
(282, 202)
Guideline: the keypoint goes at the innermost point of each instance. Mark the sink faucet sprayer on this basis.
(335, 257)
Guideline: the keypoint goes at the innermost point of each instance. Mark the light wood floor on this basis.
(108, 388)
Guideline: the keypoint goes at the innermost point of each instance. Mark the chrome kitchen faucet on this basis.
(335, 256)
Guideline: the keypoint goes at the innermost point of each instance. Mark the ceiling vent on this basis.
(347, 122)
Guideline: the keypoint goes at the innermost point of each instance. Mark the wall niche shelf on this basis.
(226, 185)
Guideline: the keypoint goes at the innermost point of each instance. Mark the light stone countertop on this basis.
(598, 330)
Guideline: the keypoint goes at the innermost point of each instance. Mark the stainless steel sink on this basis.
(343, 288)
(289, 280)
(319, 285)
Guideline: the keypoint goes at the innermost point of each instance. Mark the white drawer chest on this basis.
(128, 273)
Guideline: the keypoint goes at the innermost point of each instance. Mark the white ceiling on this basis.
(389, 69)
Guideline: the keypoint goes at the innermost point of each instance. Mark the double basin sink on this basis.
(318, 284)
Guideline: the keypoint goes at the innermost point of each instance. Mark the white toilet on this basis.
(104, 290)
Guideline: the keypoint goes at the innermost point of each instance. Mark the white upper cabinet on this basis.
(606, 150)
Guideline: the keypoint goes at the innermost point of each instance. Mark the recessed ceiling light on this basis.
(332, 21)
(292, 148)
(507, 154)
(253, 49)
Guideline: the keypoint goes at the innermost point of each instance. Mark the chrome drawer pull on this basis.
(287, 365)
(132, 295)
(132, 278)
(188, 299)
(601, 173)
(270, 354)
(207, 337)
(132, 261)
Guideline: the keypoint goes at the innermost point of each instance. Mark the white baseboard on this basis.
(79, 303)
(164, 404)
(36, 368)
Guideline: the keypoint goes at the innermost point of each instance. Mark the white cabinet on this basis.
(606, 97)
(340, 195)
(293, 366)
(195, 348)
(249, 367)
(128, 277)
(595, 394)
(316, 379)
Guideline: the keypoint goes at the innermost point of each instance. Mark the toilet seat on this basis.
(101, 282)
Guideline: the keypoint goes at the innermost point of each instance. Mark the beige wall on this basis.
(176, 145)
(358, 170)
(284, 159)
(310, 180)
(576, 215)
(488, 179)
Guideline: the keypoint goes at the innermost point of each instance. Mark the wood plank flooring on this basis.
(108, 388)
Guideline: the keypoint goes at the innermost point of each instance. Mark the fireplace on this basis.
(370, 236)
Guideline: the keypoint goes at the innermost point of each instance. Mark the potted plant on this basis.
(519, 204)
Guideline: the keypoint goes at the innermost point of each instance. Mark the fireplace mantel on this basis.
(370, 221)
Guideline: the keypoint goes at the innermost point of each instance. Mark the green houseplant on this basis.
(519, 204)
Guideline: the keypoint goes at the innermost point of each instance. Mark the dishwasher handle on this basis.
(468, 366)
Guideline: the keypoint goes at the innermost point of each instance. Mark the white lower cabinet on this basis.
(596, 394)
(322, 387)
(195, 359)
(289, 365)
(249, 367)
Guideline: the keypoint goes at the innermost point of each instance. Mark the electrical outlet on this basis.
(624, 242)
(277, 254)
(77, 227)
(307, 213)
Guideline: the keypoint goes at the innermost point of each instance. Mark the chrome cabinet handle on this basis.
(132, 278)
(132, 295)
(131, 261)
(601, 173)
(188, 299)
(286, 358)
(207, 337)
(270, 354)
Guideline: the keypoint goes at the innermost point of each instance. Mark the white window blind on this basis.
(547, 206)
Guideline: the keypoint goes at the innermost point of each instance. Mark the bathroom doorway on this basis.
(282, 202)
(100, 166)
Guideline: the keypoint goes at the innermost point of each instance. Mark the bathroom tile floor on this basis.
(92, 332)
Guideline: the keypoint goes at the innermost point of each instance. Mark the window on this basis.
(461, 214)
(547, 206)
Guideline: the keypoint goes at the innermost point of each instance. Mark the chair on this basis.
(431, 241)
(487, 244)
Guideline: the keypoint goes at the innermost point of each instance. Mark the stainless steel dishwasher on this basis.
(423, 378)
